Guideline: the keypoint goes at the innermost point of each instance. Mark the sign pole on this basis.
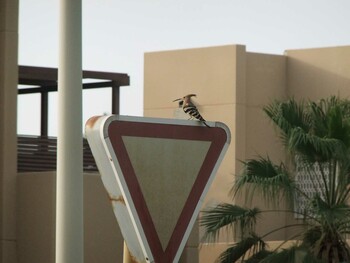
(126, 254)
(69, 187)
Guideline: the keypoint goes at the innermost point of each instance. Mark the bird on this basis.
(190, 109)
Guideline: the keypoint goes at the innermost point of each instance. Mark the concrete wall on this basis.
(8, 135)
(36, 220)
(319, 72)
(265, 82)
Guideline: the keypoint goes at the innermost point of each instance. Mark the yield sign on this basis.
(156, 172)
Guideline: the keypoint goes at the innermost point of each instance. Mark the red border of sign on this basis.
(216, 135)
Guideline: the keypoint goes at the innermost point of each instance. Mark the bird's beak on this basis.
(177, 100)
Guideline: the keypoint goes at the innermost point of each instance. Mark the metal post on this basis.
(115, 99)
(126, 255)
(44, 114)
(69, 196)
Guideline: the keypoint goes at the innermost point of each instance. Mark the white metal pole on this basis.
(69, 195)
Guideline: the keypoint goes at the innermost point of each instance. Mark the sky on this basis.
(117, 34)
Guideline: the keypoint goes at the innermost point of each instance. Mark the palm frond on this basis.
(312, 146)
(338, 127)
(318, 118)
(264, 177)
(335, 116)
(227, 216)
(330, 118)
(318, 129)
(287, 115)
(252, 244)
(330, 214)
(311, 236)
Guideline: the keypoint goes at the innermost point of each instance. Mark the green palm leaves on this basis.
(230, 217)
(316, 136)
(266, 178)
(319, 131)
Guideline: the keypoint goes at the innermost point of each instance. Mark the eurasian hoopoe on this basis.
(190, 109)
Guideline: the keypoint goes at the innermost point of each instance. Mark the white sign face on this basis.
(156, 172)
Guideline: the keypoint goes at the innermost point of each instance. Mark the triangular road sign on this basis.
(156, 172)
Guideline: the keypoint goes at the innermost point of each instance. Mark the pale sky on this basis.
(116, 34)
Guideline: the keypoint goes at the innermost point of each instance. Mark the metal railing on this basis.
(38, 153)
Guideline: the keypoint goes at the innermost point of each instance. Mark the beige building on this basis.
(232, 86)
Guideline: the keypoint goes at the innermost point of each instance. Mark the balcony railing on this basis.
(38, 153)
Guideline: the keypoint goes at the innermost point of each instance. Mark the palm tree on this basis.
(316, 136)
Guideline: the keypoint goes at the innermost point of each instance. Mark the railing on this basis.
(38, 153)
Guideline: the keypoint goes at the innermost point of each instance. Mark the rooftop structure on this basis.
(38, 153)
(44, 80)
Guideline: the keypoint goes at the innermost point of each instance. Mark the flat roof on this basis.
(43, 79)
